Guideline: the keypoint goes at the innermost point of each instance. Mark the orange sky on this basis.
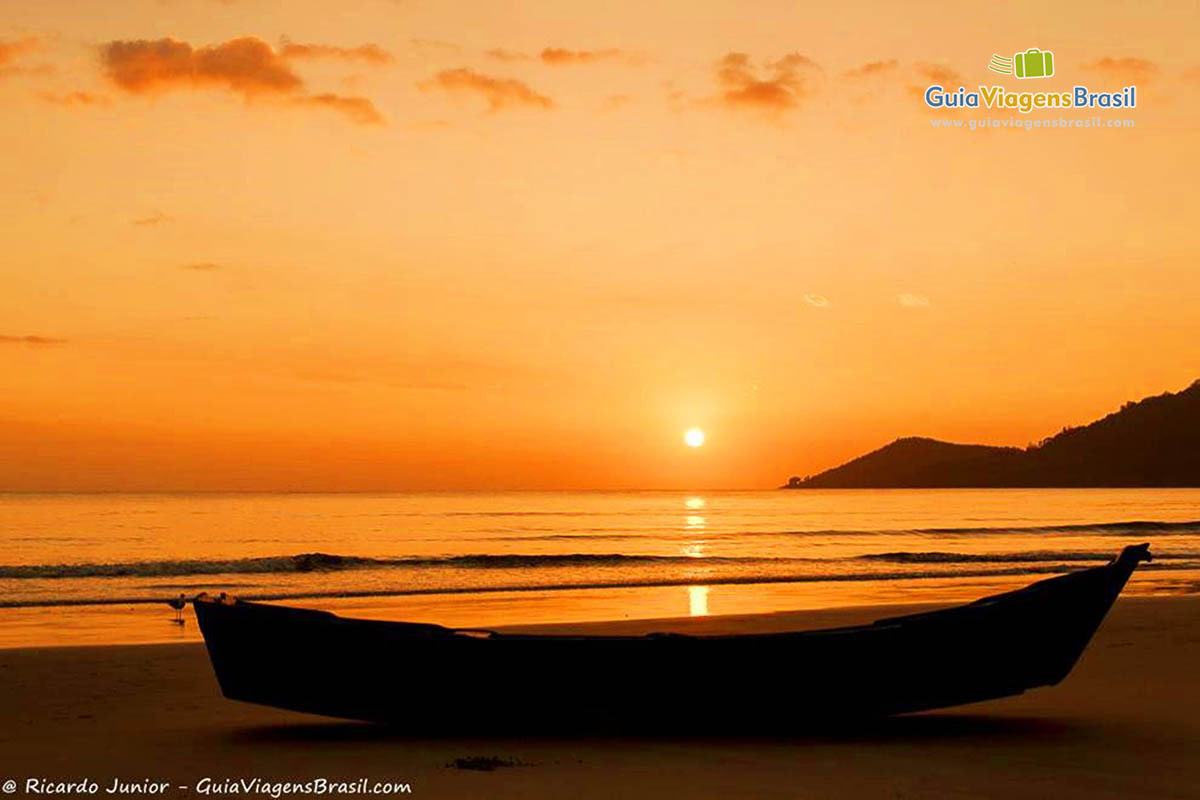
(423, 245)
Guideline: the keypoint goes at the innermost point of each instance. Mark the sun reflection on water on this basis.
(697, 601)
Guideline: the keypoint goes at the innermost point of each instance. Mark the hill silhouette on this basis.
(1152, 442)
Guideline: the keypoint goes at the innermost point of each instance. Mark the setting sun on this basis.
(693, 437)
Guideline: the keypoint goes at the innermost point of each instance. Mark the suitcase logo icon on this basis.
(1033, 63)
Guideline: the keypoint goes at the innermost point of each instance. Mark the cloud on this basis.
(616, 101)
(74, 99)
(937, 73)
(33, 340)
(933, 74)
(817, 300)
(909, 300)
(782, 89)
(366, 53)
(500, 54)
(247, 66)
(358, 109)
(12, 50)
(557, 56)
(157, 218)
(202, 266)
(872, 68)
(500, 93)
(1125, 68)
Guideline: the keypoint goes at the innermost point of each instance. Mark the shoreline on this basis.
(715, 625)
(778, 621)
(755, 580)
(150, 622)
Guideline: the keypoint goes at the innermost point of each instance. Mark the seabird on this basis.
(179, 604)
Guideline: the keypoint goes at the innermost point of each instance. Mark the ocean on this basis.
(70, 564)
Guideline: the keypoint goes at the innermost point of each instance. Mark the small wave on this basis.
(1127, 528)
(1033, 557)
(1108, 528)
(325, 562)
(304, 562)
(630, 583)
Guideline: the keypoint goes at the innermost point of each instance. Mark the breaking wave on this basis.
(713, 580)
(326, 562)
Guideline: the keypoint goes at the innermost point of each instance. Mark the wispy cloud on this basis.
(910, 300)
(937, 73)
(202, 266)
(872, 69)
(12, 50)
(157, 218)
(500, 93)
(500, 54)
(247, 66)
(933, 74)
(558, 56)
(1134, 69)
(358, 109)
(75, 99)
(366, 53)
(817, 300)
(39, 341)
(783, 86)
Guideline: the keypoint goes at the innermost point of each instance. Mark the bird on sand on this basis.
(178, 603)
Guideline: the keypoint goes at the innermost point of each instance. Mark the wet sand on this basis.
(1125, 724)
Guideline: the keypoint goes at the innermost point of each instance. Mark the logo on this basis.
(1033, 63)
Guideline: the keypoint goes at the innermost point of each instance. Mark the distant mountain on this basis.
(1153, 442)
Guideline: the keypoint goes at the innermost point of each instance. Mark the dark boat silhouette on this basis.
(426, 676)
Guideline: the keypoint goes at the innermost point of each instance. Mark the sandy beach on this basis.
(1125, 724)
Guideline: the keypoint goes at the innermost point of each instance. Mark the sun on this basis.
(693, 437)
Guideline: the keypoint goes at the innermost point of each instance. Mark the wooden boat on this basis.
(427, 677)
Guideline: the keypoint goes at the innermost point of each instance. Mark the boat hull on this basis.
(427, 677)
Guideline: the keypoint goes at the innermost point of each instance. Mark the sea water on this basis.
(73, 564)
